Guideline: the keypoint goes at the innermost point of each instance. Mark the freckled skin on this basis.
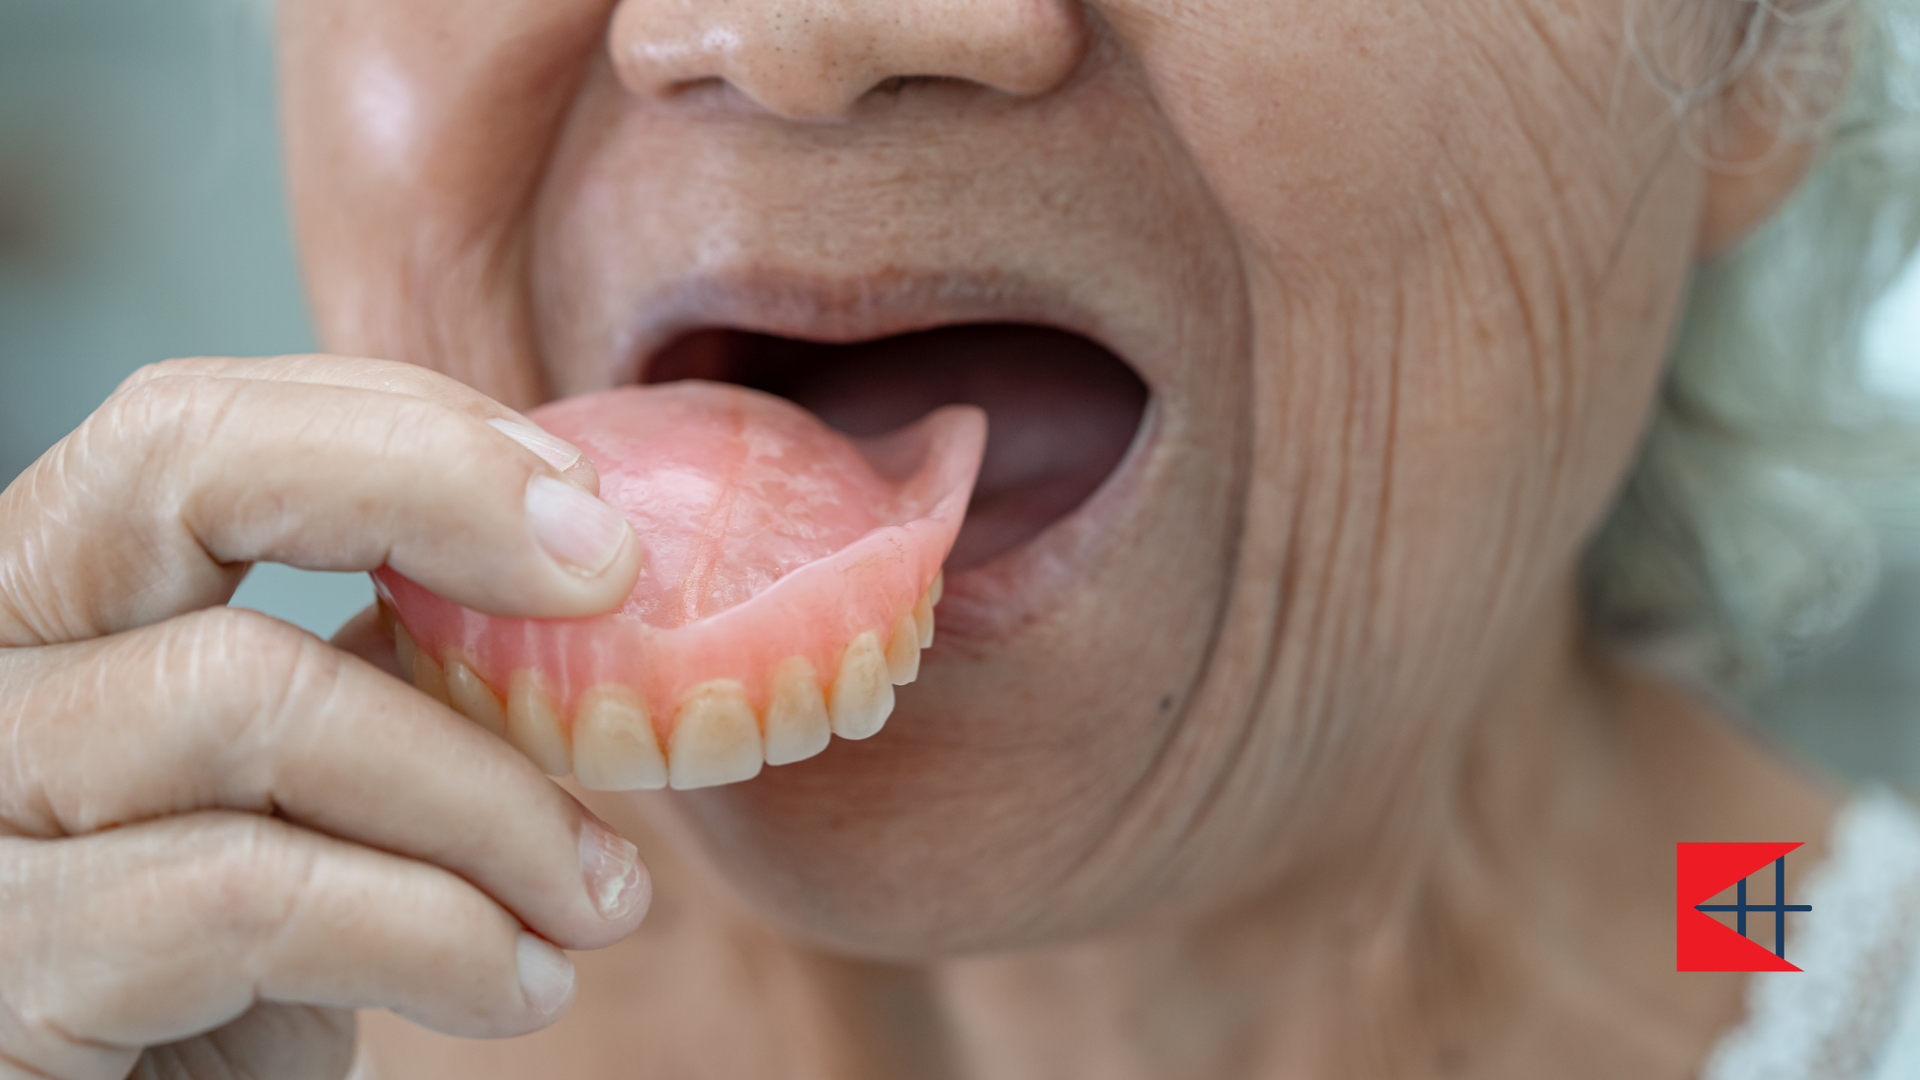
(1304, 744)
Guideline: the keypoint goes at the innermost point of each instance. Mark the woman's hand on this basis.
(218, 832)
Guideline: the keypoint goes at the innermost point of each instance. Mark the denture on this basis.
(790, 578)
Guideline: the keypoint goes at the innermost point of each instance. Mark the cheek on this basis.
(1465, 244)
(1465, 237)
(412, 155)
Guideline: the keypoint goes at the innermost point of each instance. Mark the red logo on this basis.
(1704, 943)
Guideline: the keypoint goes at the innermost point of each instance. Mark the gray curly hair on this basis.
(1740, 537)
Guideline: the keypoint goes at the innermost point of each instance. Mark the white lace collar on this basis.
(1853, 1013)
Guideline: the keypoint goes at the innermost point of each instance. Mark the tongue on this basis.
(730, 490)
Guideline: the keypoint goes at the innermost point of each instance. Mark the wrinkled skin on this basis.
(1303, 766)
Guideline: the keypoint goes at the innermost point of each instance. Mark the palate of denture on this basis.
(790, 582)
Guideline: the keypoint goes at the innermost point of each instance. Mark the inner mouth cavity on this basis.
(1061, 409)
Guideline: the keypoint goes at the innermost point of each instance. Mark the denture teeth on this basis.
(473, 698)
(533, 725)
(797, 724)
(716, 737)
(903, 651)
(404, 648)
(614, 748)
(862, 695)
(427, 676)
(923, 618)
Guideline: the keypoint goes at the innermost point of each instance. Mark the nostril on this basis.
(707, 85)
(813, 60)
(899, 84)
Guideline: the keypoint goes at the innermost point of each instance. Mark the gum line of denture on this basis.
(718, 737)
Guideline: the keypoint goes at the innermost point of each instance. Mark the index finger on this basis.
(156, 504)
(391, 377)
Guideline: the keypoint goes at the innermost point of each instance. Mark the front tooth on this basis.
(405, 650)
(862, 695)
(716, 738)
(427, 676)
(614, 748)
(903, 652)
(473, 698)
(923, 618)
(939, 588)
(797, 725)
(533, 725)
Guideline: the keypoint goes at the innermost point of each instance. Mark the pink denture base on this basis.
(767, 535)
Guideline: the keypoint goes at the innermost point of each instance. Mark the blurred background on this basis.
(142, 217)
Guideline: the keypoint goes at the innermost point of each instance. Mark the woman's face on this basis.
(1396, 276)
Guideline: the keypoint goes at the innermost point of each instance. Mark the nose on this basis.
(813, 59)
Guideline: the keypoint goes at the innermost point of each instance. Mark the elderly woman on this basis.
(1278, 723)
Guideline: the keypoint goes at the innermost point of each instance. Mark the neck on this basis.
(1522, 923)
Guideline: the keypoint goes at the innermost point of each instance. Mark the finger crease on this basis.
(59, 1031)
(10, 1062)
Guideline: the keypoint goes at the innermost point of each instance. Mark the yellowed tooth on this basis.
(797, 725)
(473, 698)
(923, 618)
(903, 652)
(939, 588)
(533, 724)
(404, 649)
(614, 748)
(862, 694)
(716, 738)
(428, 678)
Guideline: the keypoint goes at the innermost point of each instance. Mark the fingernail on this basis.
(616, 881)
(579, 531)
(546, 975)
(558, 453)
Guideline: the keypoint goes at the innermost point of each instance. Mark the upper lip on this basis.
(844, 310)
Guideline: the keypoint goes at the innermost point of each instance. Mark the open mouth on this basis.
(796, 502)
(1061, 409)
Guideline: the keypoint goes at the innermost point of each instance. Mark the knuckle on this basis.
(271, 670)
(125, 450)
(129, 416)
(246, 640)
(159, 412)
(275, 662)
(245, 880)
